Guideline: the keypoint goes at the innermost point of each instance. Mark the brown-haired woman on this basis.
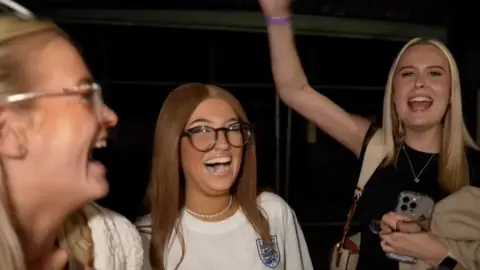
(206, 211)
(52, 116)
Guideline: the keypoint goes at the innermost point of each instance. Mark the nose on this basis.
(222, 141)
(419, 82)
(109, 117)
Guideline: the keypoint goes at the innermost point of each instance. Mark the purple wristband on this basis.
(277, 20)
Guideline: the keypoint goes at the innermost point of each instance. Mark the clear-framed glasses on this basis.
(17, 9)
(90, 92)
(204, 138)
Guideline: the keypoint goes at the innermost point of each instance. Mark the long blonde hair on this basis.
(17, 38)
(165, 192)
(453, 166)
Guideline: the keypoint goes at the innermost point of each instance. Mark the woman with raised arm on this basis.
(428, 148)
(51, 119)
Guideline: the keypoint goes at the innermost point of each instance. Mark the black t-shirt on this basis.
(381, 193)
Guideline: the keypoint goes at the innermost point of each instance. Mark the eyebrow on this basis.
(412, 67)
(206, 121)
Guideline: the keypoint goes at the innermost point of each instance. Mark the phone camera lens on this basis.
(406, 199)
(404, 207)
(413, 205)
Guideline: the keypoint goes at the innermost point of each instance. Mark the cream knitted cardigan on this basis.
(117, 243)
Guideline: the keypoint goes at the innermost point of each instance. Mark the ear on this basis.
(12, 134)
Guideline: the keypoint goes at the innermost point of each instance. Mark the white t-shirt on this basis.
(233, 244)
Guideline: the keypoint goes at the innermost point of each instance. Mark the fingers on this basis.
(389, 238)
(385, 229)
(59, 260)
(397, 241)
(390, 243)
(386, 247)
(410, 227)
(392, 219)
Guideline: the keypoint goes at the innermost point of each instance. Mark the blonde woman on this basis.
(52, 117)
(428, 146)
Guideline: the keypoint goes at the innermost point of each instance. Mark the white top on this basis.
(233, 243)
(116, 242)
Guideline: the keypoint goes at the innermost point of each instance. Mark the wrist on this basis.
(278, 18)
(440, 254)
(279, 14)
(449, 263)
(278, 21)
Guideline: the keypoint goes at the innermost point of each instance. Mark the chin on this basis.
(417, 123)
(219, 187)
(96, 191)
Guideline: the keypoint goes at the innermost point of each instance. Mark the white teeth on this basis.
(101, 144)
(420, 99)
(218, 160)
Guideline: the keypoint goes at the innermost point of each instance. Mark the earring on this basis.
(400, 131)
(22, 151)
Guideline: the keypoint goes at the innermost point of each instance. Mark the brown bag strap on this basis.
(76, 237)
(374, 155)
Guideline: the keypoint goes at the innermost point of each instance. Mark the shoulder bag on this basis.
(346, 252)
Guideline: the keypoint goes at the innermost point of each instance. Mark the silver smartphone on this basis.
(416, 206)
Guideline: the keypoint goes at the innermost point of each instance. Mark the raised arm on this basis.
(294, 89)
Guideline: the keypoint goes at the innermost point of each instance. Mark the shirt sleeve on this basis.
(145, 228)
(297, 256)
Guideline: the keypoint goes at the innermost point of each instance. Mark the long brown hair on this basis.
(165, 191)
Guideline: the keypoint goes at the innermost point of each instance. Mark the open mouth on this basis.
(95, 169)
(99, 144)
(218, 165)
(420, 103)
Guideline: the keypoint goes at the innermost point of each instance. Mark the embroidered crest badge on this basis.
(269, 252)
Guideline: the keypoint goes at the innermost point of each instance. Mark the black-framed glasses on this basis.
(204, 138)
(91, 92)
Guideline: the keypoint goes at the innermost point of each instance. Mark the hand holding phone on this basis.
(419, 209)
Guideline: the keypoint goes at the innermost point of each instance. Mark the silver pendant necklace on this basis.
(205, 216)
(417, 176)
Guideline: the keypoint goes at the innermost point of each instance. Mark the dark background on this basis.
(139, 65)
